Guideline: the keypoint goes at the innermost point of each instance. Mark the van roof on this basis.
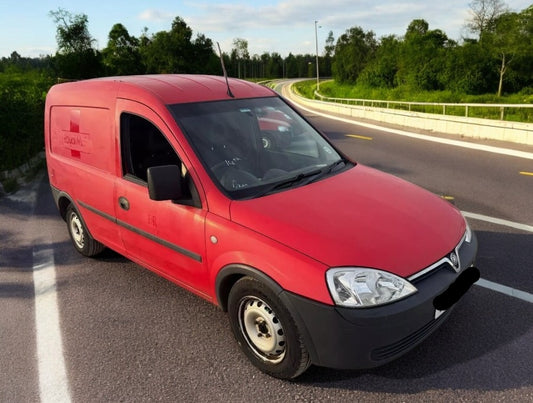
(171, 88)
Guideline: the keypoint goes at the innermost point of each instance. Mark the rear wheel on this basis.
(265, 330)
(81, 239)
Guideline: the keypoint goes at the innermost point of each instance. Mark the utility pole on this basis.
(316, 49)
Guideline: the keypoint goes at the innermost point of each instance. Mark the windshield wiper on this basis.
(290, 182)
(329, 169)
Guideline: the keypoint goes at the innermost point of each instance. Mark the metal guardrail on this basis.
(510, 112)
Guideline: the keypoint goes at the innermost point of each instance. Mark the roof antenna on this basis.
(225, 72)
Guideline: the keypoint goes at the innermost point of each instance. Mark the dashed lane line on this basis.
(53, 381)
(357, 136)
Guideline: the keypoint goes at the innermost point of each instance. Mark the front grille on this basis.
(431, 272)
(394, 349)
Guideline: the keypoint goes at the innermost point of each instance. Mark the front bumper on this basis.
(348, 338)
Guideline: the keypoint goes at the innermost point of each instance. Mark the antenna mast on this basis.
(225, 72)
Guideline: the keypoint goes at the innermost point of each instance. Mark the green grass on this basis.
(403, 94)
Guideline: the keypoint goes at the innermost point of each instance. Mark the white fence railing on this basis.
(510, 112)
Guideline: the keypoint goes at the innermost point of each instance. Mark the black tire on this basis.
(83, 242)
(265, 330)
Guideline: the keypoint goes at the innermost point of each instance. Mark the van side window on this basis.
(143, 146)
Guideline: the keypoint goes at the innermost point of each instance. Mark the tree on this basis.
(381, 71)
(76, 57)
(72, 31)
(240, 55)
(422, 56)
(274, 66)
(417, 28)
(354, 49)
(174, 51)
(122, 55)
(525, 58)
(508, 41)
(291, 66)
(169, 51)
(203, 58)
(329, 51)
(468, 69)
(484, 14)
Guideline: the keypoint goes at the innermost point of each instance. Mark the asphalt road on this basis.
(130, 336)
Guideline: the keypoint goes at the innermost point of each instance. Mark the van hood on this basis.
(361, 217)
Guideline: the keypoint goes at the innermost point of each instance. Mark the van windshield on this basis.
(253, 147)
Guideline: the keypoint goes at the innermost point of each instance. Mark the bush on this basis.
(22, 98)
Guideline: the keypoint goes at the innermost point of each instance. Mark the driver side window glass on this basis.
(143, 146)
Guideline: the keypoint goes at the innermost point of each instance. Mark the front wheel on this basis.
(265, 330)
(81, 239)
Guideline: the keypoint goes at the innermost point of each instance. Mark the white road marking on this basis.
(53, 381)
(457, 143)
(498, 221)
(497, 150)
(503, 289)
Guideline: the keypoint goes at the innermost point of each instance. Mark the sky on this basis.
(282, 26)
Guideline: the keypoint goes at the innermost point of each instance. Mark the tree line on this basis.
(497, 60)
(172, 51)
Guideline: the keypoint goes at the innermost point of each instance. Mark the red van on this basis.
(226, 190)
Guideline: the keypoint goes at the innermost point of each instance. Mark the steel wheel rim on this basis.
(76, 229)
(262, 330)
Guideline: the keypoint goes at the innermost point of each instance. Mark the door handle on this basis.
(123, 203)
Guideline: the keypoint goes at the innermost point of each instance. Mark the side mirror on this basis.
(164, 182)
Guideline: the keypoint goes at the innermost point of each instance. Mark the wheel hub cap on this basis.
(77, 231)
(262, 329)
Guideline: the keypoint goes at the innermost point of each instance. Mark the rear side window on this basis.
(143, 146)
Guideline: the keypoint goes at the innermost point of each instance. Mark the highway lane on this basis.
(479, 181)
(128, 335)
(476, 181)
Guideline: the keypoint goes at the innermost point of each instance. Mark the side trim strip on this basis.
(174, 247)
(98, 212)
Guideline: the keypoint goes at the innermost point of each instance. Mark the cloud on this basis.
(155, 16)
(245, 16)
(288, 25)
(287, 14)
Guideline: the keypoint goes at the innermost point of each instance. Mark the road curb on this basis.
(474, 128)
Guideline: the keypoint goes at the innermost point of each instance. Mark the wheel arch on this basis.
(230, 274)
(62, 200)
(62, 204)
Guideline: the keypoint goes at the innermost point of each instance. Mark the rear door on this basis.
(164, 236)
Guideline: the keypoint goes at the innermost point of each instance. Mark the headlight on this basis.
(468, 233)
(362, 288)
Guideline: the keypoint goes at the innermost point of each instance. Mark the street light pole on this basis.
(316, 49)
